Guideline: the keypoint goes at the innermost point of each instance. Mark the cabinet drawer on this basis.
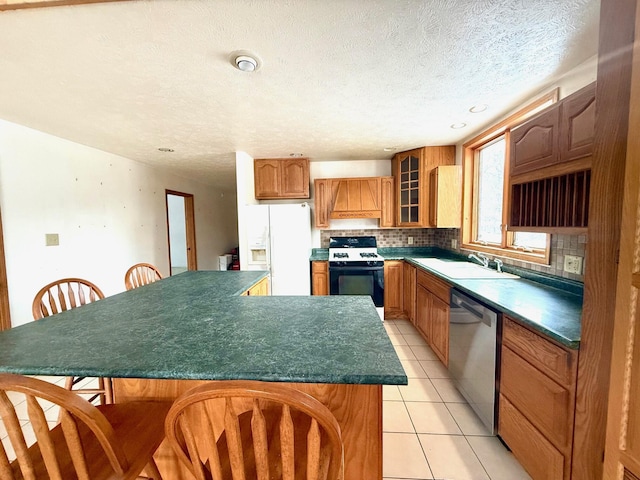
(558, 363)
(539, 458)
(546, 404)
(436, 286)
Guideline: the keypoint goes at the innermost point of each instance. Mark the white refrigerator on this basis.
(279, 240)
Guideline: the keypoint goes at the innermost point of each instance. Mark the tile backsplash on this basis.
(561, 245)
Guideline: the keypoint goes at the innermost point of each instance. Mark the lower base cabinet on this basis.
(319, 278)
(537, 401)
(432, 313)
(393, 286)
(261, 288)
(409, 291)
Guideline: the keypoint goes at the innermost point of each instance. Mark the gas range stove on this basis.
(354, 252)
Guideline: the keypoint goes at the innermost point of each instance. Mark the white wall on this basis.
(109, 212)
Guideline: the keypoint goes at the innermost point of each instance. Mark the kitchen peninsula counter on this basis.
(159, 340)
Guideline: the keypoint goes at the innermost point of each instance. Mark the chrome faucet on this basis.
(499, 264)
(480, 257)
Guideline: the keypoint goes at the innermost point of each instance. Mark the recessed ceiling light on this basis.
(295, 155)
(390, 149)
(166, 150)
(458, 125)
(479, 108)
(246, 63)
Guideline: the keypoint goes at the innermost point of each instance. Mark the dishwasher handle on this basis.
(482, 313)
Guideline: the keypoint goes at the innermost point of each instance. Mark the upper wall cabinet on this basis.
(412, 170)
(550, 166)
(281, 178)
(561, 133)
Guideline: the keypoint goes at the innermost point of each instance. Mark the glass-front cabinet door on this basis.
(408, 165)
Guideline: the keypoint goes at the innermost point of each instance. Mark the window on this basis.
(485, 167)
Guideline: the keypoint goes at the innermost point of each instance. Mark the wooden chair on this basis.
(141, 274)
(65, 294)
(255, 430)
(114, 442)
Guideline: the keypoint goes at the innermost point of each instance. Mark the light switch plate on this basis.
(51, 239)
(573, 264)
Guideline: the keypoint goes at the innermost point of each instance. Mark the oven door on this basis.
(357, 280)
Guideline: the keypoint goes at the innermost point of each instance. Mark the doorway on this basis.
(181, 231)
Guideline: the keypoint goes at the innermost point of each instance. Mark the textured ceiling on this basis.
(340, 79)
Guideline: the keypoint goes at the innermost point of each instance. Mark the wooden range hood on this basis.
(363, 197)
(356, 198)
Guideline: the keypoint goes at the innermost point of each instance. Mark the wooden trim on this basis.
(625, 325)
(613, 95)
(5, 313)
(20, 4)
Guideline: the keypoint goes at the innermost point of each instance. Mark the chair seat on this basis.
(125, 418)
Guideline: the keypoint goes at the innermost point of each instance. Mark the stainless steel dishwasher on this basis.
(473, 355)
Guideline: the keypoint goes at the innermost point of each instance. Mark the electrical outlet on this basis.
(454, 243)
(410, 240)
(51, 239)
(573, 264)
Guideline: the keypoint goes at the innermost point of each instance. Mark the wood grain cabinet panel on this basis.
(356, 198)
(536, 454)
(409, 291)
(322, 202)
(260, 289)
(281, 178)
(445, 202)
(537, 400)
(432, 312)
(577, 124)
(388, 204)
(393, 284)
(320, 278)
(534, 144)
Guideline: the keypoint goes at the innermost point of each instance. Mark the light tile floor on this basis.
(429, 430)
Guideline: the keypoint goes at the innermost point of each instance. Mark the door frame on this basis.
(190, 228)
(5, 314)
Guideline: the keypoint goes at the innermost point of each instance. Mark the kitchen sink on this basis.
(453, 269)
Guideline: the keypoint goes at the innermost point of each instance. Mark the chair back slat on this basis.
(286, 444)
(234, 441)
(260, 445)
(5, 467)
(64, 294)
(16, 437)
(72, 436)
(141, 274)
(313, 451)
(43, 437)
(262, 430)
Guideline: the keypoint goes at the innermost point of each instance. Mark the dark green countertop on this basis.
(550, 305)
(196, 326)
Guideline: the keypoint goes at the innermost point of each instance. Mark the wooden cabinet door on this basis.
(409, 291)
(295, 178)
(440, 329)
(577, 124)
(267, 178)
(534, 144)
(407, 171)
(322, 202)
(445, 202)
(259, 289)
(388, 203)
(320, 278)
(423, 312)
(393, 297)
